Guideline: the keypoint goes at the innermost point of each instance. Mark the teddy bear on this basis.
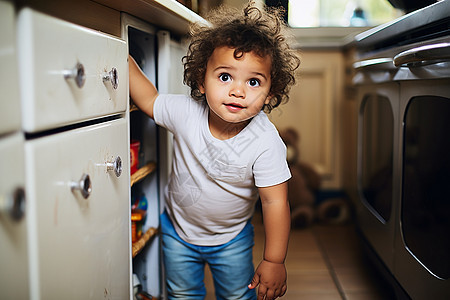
(308, 203)
(304, 183)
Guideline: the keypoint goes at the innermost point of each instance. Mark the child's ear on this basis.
(201, 88)
(268, 98)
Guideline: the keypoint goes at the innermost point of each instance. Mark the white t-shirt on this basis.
(212, 189)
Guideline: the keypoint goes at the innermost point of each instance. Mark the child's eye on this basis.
(224, 77)
(253, 82)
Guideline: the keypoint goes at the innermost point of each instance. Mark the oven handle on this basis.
(383, 63)
(423, 55)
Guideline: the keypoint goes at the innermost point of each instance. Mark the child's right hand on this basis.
(142, 91)
(271, 278)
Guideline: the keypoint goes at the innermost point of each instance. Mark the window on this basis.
(340, 13)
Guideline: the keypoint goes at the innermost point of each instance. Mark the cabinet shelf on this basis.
(142, 173)
(145, 238)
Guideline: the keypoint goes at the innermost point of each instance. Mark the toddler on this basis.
(227, 154)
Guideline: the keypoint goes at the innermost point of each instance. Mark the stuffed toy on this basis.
(303, 185)
(308, 203)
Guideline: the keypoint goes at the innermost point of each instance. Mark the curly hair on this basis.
(247, 30)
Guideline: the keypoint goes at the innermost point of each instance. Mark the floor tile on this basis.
(323, 263)
(367, 296)
(354, 280)
(311, 282)
(305, 263)
(311, 296)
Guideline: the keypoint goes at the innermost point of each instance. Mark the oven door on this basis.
(377, 151)
(422, 246)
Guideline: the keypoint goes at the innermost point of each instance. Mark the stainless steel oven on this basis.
(402, 74)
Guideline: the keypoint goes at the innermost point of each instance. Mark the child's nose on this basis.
(237, 90)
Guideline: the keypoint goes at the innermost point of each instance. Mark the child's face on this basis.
(236, 89)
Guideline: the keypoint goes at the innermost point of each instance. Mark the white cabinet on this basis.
(64, 143)
(68, 73)
(79, 213)
(13, 229)
(160, 57)
(142, 41)
(9, 98)
(59, 135)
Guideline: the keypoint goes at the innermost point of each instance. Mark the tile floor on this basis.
(324, 262)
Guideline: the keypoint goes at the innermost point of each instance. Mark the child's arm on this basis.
(142, 91)
(271, 272)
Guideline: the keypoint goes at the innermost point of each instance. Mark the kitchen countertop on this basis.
(418, 19)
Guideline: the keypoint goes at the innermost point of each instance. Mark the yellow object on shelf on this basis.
(141, 173)
(133, 107)
(137, 216)
(146, 237)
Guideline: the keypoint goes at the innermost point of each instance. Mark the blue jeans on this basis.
(231, 265)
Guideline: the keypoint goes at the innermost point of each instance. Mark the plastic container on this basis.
(134, 155)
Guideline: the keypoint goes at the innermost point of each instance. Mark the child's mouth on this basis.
(234, 106)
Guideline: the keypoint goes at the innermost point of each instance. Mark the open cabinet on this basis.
(159, 56)
(64, 192)
(66, 123)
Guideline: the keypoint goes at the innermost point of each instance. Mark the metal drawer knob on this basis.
(77, 74)
(113, 77)
(83, 186)
(115, 166)
(13, 204)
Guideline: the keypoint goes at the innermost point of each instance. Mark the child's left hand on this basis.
(271, 278)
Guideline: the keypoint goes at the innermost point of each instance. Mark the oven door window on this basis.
(377, 149)
(426, 176)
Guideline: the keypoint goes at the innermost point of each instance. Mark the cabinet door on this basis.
(79, 213)
(9, 98)
(13, 232)
(313, 111)
(68, 73)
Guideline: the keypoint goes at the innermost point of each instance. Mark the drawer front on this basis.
(9, 98)
(13, 233)
(68, 73)
(79, 244)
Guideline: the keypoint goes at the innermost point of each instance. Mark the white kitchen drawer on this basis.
(13, 233)
(49, 51)
(79, 248)
(9, 98)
